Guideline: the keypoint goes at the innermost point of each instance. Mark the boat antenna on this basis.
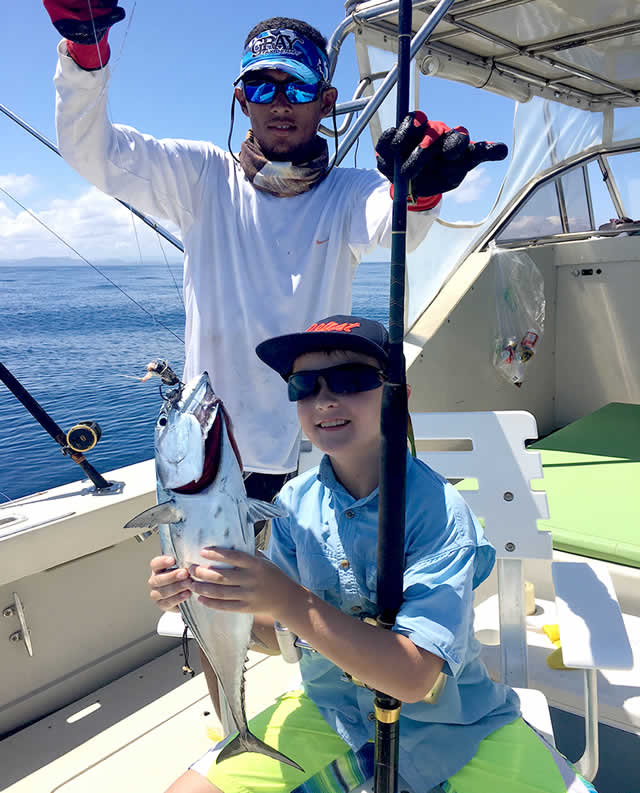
(393, 422)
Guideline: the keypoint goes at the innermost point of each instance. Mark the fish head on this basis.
(182, 435)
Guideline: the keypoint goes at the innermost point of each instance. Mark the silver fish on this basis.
(202, 502)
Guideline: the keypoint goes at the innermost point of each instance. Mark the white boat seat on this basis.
(495, 476)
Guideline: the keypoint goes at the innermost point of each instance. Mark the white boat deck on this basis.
(138, 733)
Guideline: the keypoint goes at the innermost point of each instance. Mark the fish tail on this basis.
(248, 742)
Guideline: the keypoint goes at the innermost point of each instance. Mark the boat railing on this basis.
(391, 78)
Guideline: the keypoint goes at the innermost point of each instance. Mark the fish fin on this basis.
(154, 516)
(249, 743)
(260, 510)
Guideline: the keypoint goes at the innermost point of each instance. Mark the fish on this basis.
(202, 502)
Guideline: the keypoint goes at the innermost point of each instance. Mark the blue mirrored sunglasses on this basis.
(347, 378)
(263, 92)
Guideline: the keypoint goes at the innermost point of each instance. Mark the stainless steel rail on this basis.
(392, 76)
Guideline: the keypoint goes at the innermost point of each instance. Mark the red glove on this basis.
(85, 24)
(435, 158)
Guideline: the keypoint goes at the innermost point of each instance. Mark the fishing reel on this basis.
(83, 436)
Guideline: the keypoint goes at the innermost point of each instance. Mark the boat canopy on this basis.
(583, 53)
(574, 75)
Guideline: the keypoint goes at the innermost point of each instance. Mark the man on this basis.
(274, 229)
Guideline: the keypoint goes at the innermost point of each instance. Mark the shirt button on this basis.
(371, 716)
(344, 564)
(349, 513)
(356, 609)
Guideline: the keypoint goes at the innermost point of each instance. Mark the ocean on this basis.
(79, 345)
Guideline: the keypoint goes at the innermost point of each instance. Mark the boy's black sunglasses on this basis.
(347, 378)
(262, 91)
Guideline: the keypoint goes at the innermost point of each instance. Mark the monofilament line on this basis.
(84, 259)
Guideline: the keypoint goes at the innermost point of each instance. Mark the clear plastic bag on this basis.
(520, 308)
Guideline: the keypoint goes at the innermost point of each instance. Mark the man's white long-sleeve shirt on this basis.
(255, 265)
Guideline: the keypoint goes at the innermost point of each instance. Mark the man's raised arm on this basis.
(157, 176)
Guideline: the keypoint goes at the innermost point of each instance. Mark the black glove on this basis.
(435, 158)
(85, 25)
(83, 21)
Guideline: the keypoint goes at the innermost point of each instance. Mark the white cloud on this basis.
(96, 225)
(19, 185)
(474, 186)
(525, 226)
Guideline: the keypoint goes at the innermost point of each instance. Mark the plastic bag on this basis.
(520, 308)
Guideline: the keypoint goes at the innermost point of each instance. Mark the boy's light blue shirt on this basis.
(328, 543)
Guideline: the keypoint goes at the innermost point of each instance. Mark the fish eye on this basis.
(162, 421)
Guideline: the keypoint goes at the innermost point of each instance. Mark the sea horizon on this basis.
(79, 346)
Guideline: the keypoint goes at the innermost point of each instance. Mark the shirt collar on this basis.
(327, 477)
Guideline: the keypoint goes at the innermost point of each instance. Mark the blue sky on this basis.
(173, 66)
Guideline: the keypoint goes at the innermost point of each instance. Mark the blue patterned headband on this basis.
(288, 51)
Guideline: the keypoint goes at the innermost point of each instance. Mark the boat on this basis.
(90, 692)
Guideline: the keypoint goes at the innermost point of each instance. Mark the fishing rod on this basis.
(79, 439)
(393, 423)
(149, 221)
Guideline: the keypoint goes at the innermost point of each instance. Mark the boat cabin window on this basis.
(626, 123)
(580, 199)
(626, 171)
(603, 207)
(538, 217)
(574, 195)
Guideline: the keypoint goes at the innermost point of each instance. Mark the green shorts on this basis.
(513, 759)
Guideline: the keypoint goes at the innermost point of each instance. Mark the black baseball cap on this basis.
(338, 332)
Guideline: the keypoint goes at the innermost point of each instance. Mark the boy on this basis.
(321, 576)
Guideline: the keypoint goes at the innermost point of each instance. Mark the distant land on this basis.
(53, 261)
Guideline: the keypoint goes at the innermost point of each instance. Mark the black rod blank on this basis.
(45, 421)
(393, 423)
